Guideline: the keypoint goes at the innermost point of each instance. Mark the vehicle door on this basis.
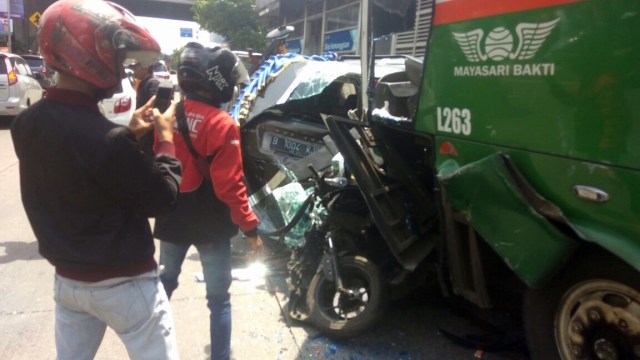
(5, 70)
(28, 86)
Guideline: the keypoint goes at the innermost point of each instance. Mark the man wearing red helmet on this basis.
(88, 190)
(213, 200)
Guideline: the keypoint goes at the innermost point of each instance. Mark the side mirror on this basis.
(280, 32)
(277, 37)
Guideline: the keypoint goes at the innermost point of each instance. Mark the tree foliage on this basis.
(175, 57)
(236, 20)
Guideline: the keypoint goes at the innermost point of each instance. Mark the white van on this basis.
(18, 87)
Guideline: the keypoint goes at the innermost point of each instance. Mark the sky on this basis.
(167, 32)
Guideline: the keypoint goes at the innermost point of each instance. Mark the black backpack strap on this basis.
(183, 127)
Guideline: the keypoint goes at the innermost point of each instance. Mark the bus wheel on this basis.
(591, 311)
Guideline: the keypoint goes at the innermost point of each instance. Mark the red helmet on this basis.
(90, 39)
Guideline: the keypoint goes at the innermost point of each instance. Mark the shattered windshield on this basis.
(286, 78)
(317, 76)
(281, 208)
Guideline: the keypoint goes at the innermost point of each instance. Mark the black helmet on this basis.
(216, 70)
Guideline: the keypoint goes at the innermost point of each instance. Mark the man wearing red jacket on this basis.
(208, 213)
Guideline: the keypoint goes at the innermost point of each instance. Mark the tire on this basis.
(589, 312)
(339, 316)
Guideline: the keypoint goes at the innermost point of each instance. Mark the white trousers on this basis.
(136, 308)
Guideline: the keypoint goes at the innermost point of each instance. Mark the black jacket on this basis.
(88, 190)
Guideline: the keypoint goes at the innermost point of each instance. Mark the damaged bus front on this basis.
(533, 110)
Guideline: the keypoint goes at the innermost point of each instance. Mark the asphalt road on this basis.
(410, 329)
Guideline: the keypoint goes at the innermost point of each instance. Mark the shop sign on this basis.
(186, 32)
(6, 26)
(340, 41)
(16, 7)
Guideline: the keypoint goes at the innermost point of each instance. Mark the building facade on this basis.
(332, 25)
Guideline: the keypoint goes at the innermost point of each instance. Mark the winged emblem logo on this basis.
(499, 43)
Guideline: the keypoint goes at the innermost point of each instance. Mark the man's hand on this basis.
(141, 121)
(255, 248)
(147, 118)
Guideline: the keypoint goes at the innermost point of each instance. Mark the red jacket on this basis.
(216, 137)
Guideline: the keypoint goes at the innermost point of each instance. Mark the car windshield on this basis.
(34, 63)
(383, 66)
(288, 77)
(159, 68)
(314, 77)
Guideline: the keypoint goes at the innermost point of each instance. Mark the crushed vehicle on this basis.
(287, 153)
(504, 161)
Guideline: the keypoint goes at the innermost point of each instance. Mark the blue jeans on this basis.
(215, 258)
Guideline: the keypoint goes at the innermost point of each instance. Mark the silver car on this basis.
(18, 87)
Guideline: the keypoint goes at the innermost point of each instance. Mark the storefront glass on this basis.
(332, 4)
(313, 38)
(343, 18)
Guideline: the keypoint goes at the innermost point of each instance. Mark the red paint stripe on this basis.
(458, 10)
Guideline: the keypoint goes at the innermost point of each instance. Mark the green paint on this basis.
(486, 194)
(582, 102)
(567, 113)
(613, 224)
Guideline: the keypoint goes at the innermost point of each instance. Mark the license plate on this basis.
(292, 147)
